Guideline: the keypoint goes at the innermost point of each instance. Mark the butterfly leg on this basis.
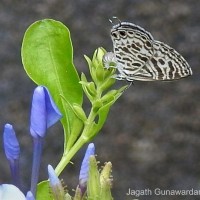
(118, 77)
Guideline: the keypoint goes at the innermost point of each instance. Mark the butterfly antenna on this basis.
(111, 22)
(114, 17)
(130, 83)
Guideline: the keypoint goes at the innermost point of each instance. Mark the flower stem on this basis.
(84, 138)
(69, 155)
(37, 151)
(14, 168)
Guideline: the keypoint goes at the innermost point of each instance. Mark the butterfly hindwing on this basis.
(167, 63)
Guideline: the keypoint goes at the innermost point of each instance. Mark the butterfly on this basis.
(140, 57)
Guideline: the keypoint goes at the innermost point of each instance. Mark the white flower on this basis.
(10, 192)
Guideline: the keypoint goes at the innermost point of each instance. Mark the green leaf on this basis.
(47, 56)
(43, 191)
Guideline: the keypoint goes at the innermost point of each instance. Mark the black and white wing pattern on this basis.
(140, 57)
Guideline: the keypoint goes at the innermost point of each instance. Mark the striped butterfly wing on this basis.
(167, 63)
(140, 57)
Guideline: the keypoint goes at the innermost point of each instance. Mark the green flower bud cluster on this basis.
(94, 184)
(99, 183)
(101, 77)
(98, 92)
(98, 89)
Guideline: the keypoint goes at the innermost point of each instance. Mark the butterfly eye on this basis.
(122, 33)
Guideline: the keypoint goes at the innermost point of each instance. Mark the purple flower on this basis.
(55, 184)
(12, 152)
(29, 196)
(83, 176)
(44, 113)
(11, 144)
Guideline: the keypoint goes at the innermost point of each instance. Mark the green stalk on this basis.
(84, 138)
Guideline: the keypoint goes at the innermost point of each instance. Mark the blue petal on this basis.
(53, 113)
(56, 185)
(11, 144)
(44, 112)
(38, 113)
(54, 180)
(83, 176)
(29, 196)
(8, 192)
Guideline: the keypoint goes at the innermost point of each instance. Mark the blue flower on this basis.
(29, 196)
(44, 113)
(12, 152)
(8, 192)
(11, 192)
(83, 176)
(11, 144)
(55, 184)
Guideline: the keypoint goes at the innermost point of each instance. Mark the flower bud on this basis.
(44, 112)
(93, 186)
(55, 184)
(29, 196)
(106, 181)
(11, 144)
(83, 176)
(78, 110)
(12, 152)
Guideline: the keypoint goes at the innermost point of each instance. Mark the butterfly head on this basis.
(125, 30)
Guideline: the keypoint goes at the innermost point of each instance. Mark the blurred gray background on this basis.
(152, 135)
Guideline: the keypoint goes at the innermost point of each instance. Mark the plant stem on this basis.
(37, 152)
(69, 155)
(84, 138)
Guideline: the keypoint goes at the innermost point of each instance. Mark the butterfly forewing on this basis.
(140, 57)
